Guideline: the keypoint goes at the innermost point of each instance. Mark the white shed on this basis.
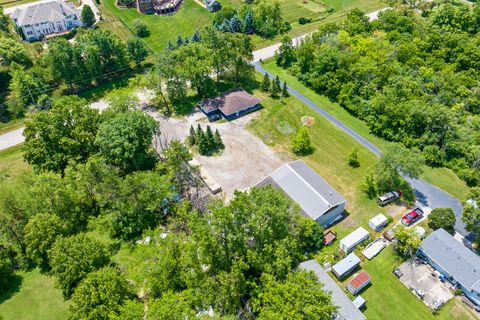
(378, 222)
(349, 243)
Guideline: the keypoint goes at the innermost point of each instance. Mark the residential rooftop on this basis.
(230, 102)
(42, 12)
(454, 258)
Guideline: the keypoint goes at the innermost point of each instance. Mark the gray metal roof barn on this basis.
(317, 199)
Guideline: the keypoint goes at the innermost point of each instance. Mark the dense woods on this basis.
(412, 78)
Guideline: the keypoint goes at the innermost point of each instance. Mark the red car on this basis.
(412, 216)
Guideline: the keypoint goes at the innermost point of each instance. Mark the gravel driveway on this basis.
(245, 159)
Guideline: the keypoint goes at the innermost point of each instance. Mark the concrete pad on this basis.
(419, 276)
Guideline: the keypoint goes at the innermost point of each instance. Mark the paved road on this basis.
(427, 194)
(11, 139)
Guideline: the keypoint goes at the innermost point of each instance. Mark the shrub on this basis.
(301, 143)
(140, 28)
(353, 159)
(303, 20)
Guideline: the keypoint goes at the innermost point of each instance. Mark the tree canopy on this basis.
(442, 218)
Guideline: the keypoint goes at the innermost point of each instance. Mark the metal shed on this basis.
(347, 265)
(349, 243)
(359, 282)
(378, 222)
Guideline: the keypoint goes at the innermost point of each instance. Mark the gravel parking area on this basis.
(245, 159)
(418, 277)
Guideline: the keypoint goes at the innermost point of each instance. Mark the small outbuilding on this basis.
(230, 105)
(359, 282)
(378, 222)
(346, 266)
(359, 302)
(212, 5)
(349, 243)
(329, 237)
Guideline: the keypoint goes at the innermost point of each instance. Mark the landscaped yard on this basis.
(33, 297)
(189, 18)
(441, 177)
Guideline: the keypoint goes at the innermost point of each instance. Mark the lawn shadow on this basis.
(13, 288)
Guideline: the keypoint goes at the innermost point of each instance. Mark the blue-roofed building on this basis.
(457, 263)
(317, 199)
(346, 266)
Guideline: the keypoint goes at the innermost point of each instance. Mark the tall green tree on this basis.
(64, 133)
(143, 200)
(73, 258)
(285, 55)
(275, 88)
(137, 50)
(41, 232)
(218, 140)
(301, 144)
(13, 51)
(6, 273)
(100, 295)
(471, 212)
(140, 28)
(265, 83)
(442, 218)
(406, 241)
(24, 90)
(87, 16)
(210, 139)
(125, 140)
(300, 296)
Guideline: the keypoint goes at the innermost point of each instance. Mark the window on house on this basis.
(29, 33)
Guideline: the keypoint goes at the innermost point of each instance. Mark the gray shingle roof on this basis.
(347, 309)
(304, 186)
(42, 12)
(456, 259)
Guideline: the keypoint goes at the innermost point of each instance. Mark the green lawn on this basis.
(277, 123)
(388, 298)
(189, 18)
(440, 177)
(12, 164)
(33, 297)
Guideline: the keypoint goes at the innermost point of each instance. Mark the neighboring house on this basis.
(230, 105)
(346, 266)
(212, 5)
(457, 263)
(162, 7)
(316, 198)
(46, 18)
(378, 222)
(352, 240)
(346, 308)
(359, 282)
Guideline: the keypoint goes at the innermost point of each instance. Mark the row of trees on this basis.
(206, 141)
(194, 64)
(95, 56)
(262, 17)
(274, 87)
(413, 79)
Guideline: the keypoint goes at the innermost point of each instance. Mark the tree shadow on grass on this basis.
(13, 288)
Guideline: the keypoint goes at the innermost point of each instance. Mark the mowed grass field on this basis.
(189, 18)
(33, 297)
(443, 178)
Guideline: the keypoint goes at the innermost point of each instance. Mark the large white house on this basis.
(44, 18)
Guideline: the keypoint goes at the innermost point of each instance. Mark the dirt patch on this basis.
(243, 163)
(307, 121)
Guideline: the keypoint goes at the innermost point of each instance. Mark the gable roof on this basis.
(352, 239)
(456, 259)
(359, 280)
(346, 308)
(304, 186)
(346, 264)
(42, 12)
(230, 102)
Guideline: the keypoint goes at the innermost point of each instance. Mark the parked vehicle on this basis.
(214, 117)
(412, 216)
(397, 273)
(388, 197)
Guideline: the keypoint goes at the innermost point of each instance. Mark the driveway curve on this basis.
(427, 194)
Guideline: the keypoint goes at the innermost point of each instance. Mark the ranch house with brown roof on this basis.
(230, 105)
